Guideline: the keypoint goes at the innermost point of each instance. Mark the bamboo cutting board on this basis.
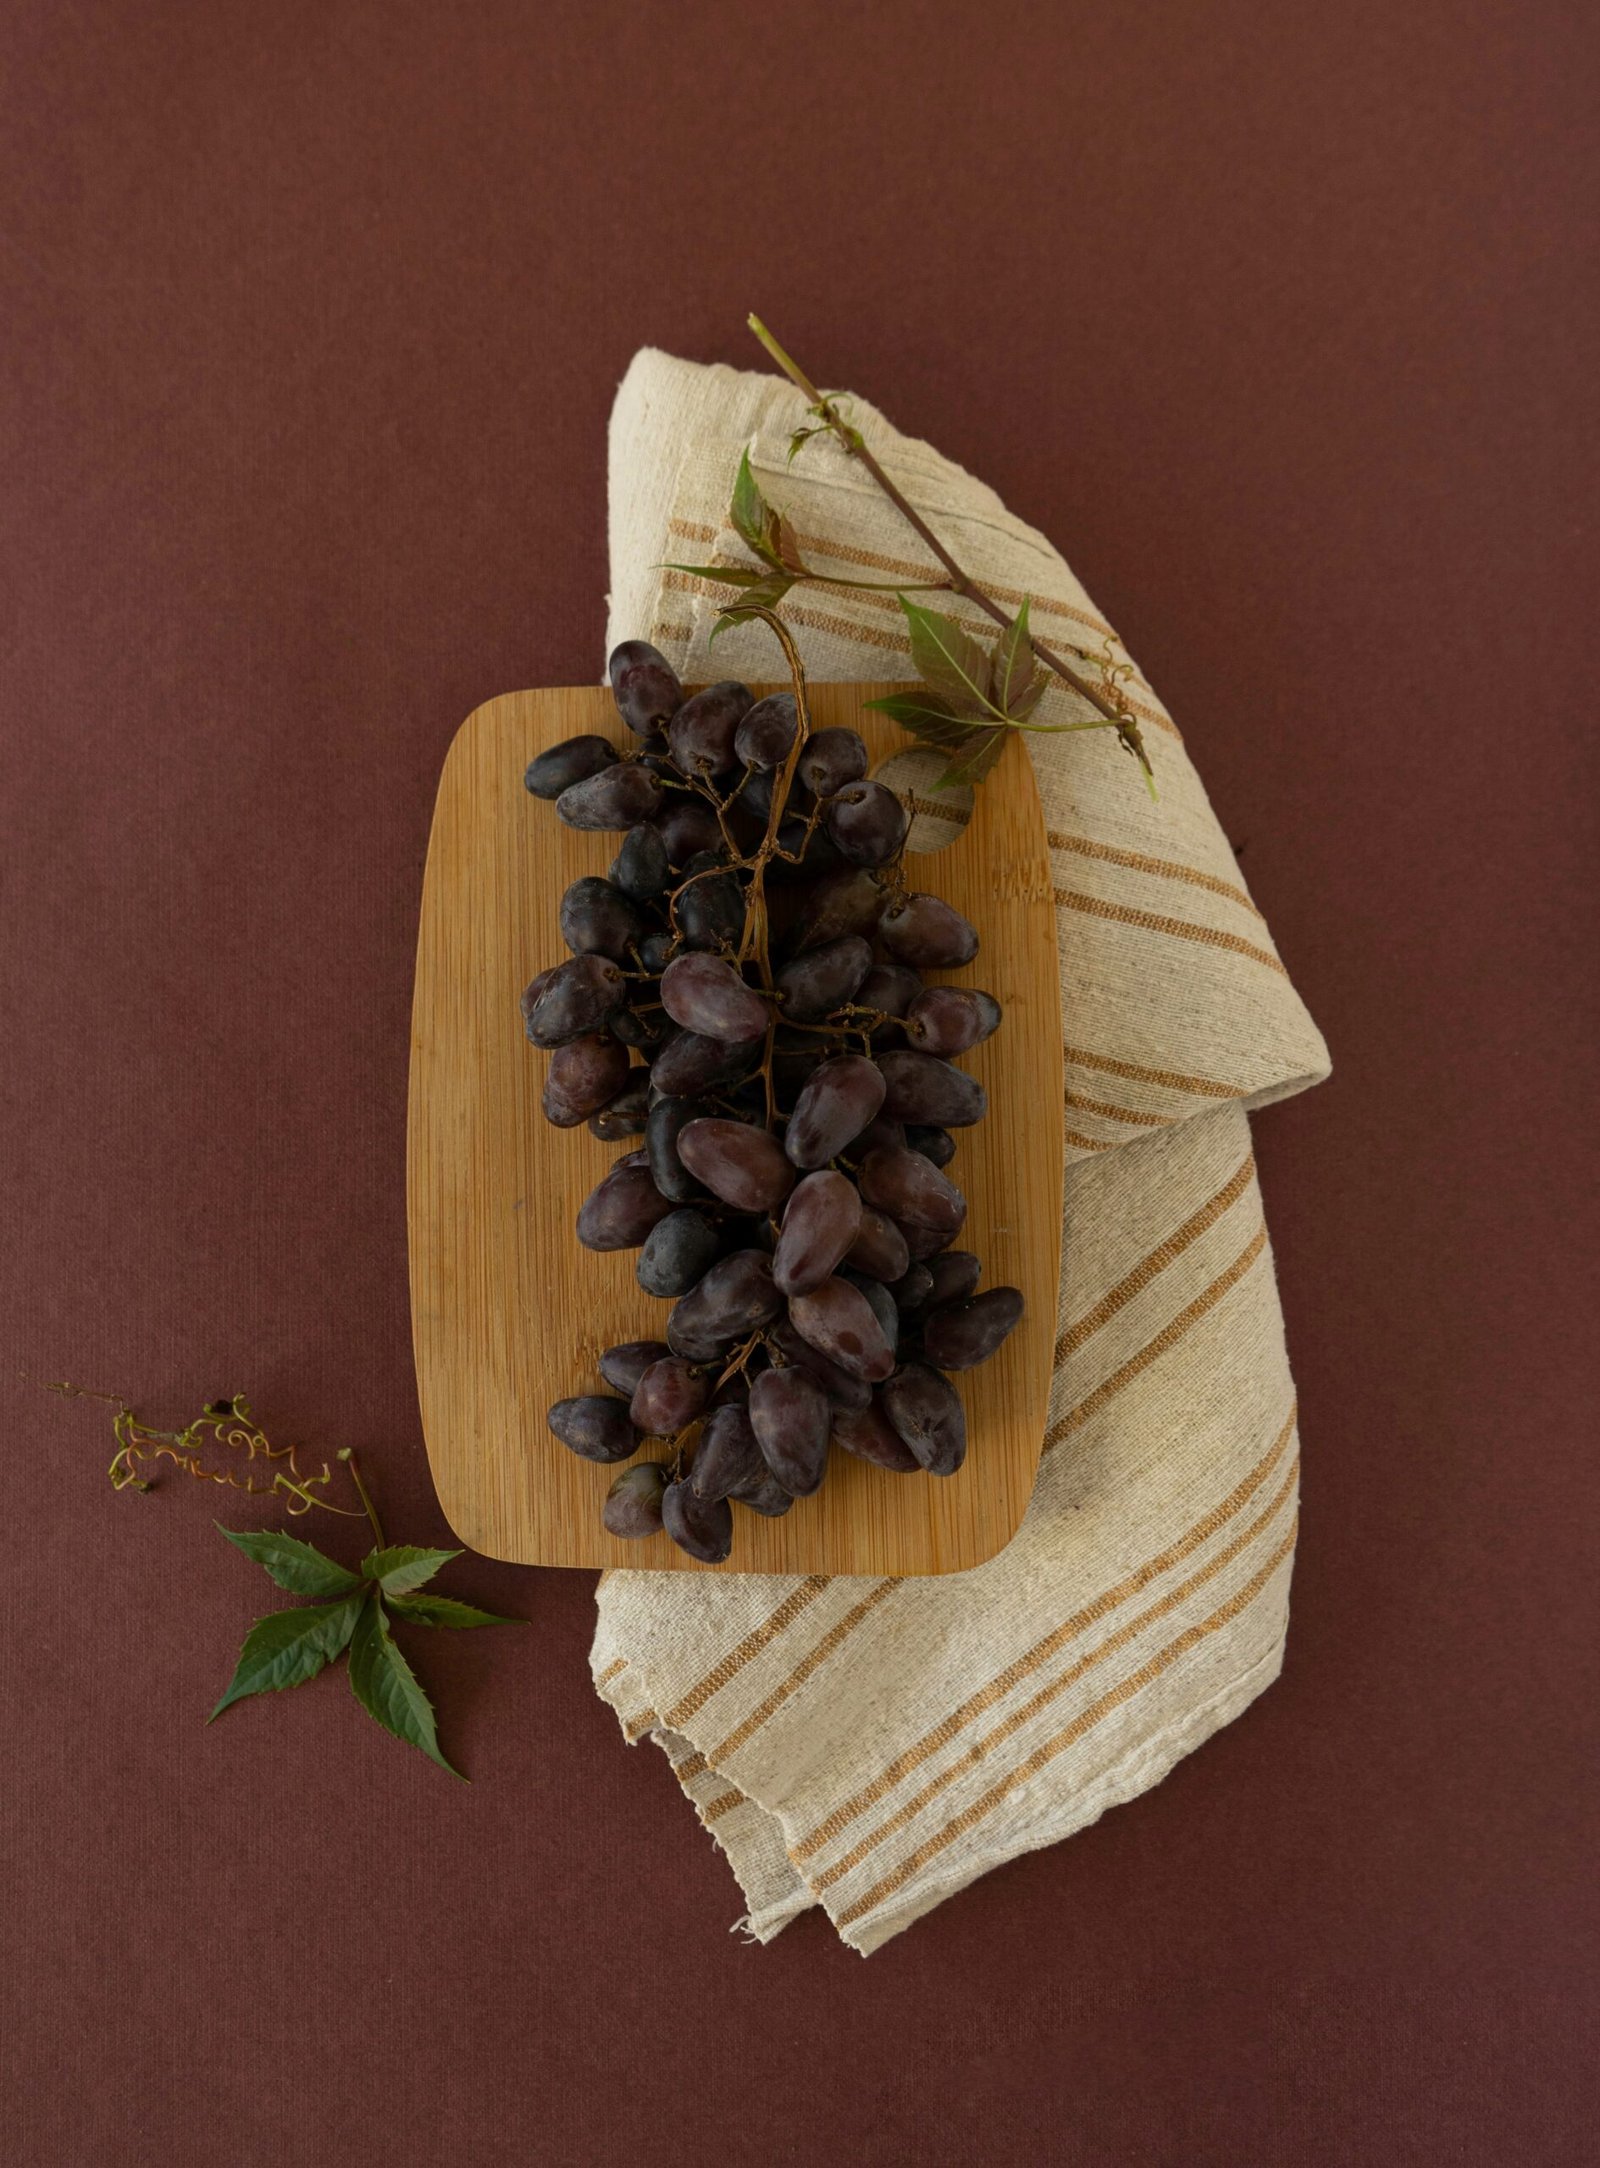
(509, 1312)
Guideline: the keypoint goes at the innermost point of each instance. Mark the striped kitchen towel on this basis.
(871, 1746)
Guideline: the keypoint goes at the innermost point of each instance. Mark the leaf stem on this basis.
(347, 1455)
(960, 581)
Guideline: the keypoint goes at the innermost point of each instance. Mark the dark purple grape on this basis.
(911, 1190)
(912, 1289)
(882, 1303)
(950, 1019)
(882, 1129)
(691, 1063)
(687, 826)
(890, 987)
(702, 732)
(620, 1211)
(790, 1416)
(955, 1274)
(656, 951)
(868, 1433)
(726, 1454)
(756, 793)
(743, 1166)
(572, 1000)
(706, 994)
(574, 760)
(701, 1526)
(822, 1219)
(840, 1323)
(823, 979)
(925, 1242)
(641, 868)
(623, 1116)
(927, 933)
(666, 1118)
(709, 912)
(644, 685)
(766, 732)
(830, 759)
(594, 1426)
(678, 1251)
(846, 902)
(641, 1022)
(615, 798)
(867, 823)
(764, 1495)
(587, 1074)
(963, 1334)
(935, 1144)
(625, 1364)
(879, 1249)
(926, 1410)
(844, 1390)
(835, 1104)
(633, 1504)
(735, 1298)
(668, 1397)
(922, 1088)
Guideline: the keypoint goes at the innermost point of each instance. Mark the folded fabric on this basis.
(873, 1746)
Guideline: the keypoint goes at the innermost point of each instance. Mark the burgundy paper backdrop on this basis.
(1277, 320)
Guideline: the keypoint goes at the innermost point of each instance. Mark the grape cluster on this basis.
(744, 996)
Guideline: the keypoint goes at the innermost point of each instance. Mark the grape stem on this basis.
(960, 581)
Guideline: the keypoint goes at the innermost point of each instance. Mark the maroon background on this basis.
(1275, 318)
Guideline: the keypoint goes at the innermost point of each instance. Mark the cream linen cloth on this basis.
(872, 1746)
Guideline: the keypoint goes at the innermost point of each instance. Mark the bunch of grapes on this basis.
(744, 995)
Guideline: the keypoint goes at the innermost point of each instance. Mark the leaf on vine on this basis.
(749, 514)
(1016, 684)
(728, 575)
(950, 662)
(387, 1687)
(924, 715)
(801, 436)
(446, 1611)
(974, 760)
(403, 1566)
(290, 1647)
(765, 595)
(788, 547)
(299, 1567)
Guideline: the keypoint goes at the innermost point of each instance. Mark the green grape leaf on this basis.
(950, 662)
(387, 1687)
(1013, 670)
(729, 575)
(749, 514)
(765, 595)
(925, 716)
(801, 436)
(788, 547)
(445, 1611)
(290, 1647)
(974, 760)
(402, 1567)
(299, 1567)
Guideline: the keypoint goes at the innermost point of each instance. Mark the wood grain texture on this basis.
(509, 1312)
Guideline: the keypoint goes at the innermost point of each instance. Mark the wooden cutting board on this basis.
(509, 1312)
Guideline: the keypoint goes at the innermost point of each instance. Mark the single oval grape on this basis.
(766, 732)
(572, 1000)
(835, 1104)
(657, 950)
(588, 1073)
(638, 1024)
(745, 1167)
(868, 1433)
(879, 1249)
(665, 1121)
(840, 1323)
(688, 826)
(641, 869)
(912, 1289)
(764, 1494)
(616, 797)
(960, 1335)
(620, 1211)
(669, 1395)
(633, 1504)
(706, 994)
(599, 920)
(594, 1426)
(846, 902)
(702, 732)
(955, 1275)
(882, 1129)
(881, 1302)
(644, 685)
(625, 1364)
(832, 758)
(701, 1526)
(911, 1190)
(726, 1453)
(709, 912)
(928, 933)
(790, 1417)
(890, 988)
(950, 1019)
(926, 1410)
(933, 1143)
(735, 1298)
(821, 1221)
(842, 1389)
(678, 1251)
(823, 979)
(924, 1088)
(691, 1063)
(623, 1116)
(867, 823)
(574, 760)
(926, 1242)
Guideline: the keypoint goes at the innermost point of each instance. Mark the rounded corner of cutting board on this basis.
(482, 1283)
